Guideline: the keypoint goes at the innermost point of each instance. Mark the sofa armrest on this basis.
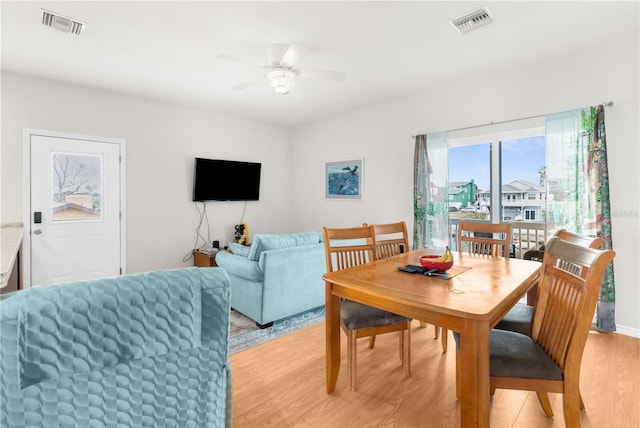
(239, 266)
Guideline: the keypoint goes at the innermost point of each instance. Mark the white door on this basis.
(75, 209)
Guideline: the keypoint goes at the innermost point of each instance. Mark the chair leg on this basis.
(436, 329)
(571, 401)
(372, 341)
(543, 398)
(405, 350)
(352, 352)
(458, 376)
(445, 339)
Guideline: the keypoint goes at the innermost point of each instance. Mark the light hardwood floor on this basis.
(282, 384)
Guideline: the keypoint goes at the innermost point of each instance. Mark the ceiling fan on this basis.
(280, 70)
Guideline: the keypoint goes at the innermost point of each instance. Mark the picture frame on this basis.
(343, 179)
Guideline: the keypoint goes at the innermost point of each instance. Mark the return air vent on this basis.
(473, 20)
(62, 23)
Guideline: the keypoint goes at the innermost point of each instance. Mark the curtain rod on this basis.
(608, 104)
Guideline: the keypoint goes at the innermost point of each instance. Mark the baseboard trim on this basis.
(628, 331)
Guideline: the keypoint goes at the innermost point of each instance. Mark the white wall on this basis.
(161, 143)
(162, 140)
(382, 135)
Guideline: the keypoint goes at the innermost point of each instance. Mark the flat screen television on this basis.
(224, 180)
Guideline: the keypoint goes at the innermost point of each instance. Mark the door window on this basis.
(76, 187)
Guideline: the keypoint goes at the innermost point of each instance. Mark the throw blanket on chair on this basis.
(137, 350)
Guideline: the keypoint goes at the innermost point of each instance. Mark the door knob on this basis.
(37, 232)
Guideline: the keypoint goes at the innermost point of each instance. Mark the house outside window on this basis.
(462, 194)
(509, 169)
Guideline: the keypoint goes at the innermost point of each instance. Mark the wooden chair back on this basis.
(473, 237)
(567, 300)
(348, 247)
(391, 239)
(584, 241)
(565, 235)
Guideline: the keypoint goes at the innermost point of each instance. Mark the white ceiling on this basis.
(167, 50)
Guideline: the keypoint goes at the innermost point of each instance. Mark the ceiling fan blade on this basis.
(275, 53)
(293, 55)
(336, 76)
(245, 85)
(285, 55)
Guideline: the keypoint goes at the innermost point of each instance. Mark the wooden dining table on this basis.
(479, 292)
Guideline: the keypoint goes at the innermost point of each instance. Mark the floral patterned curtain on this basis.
(430, 186)
(578, 187)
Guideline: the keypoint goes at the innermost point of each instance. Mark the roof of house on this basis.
(460, 183)
(522, 186)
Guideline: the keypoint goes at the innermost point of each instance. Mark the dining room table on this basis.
(470, 298)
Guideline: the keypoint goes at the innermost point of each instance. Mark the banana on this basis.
(449, 255)
(446, 257)
(440, 259)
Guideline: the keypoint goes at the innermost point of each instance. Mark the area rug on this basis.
(245, 334)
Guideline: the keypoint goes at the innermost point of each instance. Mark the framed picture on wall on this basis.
(343, 180)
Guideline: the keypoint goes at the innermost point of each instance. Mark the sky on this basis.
(521, 160)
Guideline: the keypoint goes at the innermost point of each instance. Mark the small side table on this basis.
(204, 260)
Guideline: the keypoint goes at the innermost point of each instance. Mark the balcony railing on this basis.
(527, 235)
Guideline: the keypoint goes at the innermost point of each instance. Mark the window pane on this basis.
(469, 181)
(76, 187)
(523, 169)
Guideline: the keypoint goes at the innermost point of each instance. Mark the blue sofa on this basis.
(278, 276)
(145, 350)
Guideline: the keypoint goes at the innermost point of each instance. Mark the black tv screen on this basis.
(224, 180)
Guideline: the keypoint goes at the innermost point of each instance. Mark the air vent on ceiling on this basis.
(61, 22)
(473, 20)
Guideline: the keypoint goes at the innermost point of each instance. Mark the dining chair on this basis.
(346, 248)
(520, 316)
(549, 360)
(393, 239)
(489, 239)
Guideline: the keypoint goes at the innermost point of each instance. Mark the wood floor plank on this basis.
(282, 384)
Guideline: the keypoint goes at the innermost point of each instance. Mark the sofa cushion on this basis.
(265, 242)
(239, 266)
(239, 249)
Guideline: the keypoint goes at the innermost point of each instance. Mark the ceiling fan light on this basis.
(281, 80)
